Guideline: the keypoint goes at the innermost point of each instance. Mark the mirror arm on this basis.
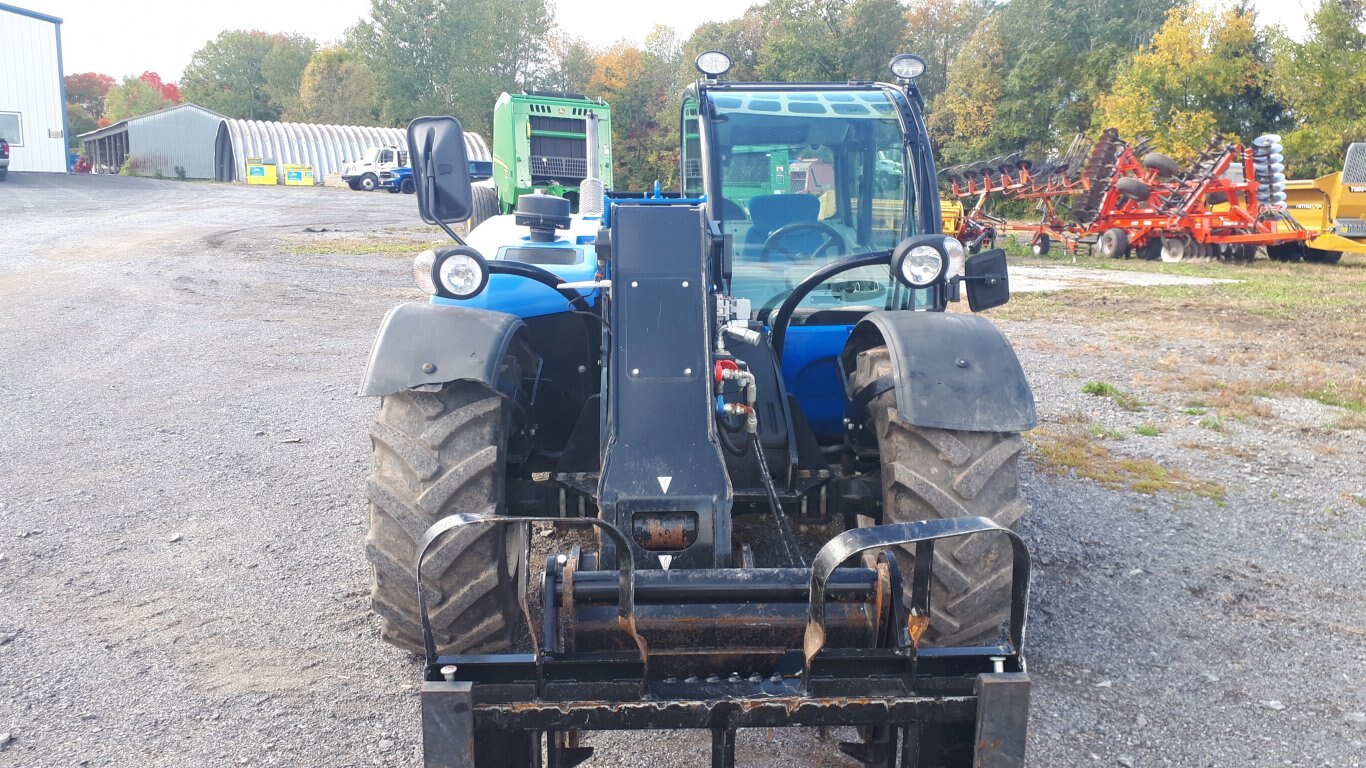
(988, 279)
(451, 232)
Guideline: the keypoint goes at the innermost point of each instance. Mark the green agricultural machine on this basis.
(541, 142)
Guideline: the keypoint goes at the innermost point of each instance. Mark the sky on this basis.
(128, 38)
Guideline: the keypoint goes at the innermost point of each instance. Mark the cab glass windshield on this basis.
(806, 178)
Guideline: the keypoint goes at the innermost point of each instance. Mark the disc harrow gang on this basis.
(1128, 201)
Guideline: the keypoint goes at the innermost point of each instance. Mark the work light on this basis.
(459, 273)
(712, 63)
(907, 66)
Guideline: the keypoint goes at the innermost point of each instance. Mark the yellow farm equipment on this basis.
(1332, 208)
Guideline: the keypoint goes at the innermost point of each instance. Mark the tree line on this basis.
(1024, 75)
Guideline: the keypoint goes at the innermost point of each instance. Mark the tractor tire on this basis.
(1113, 243)
(1156, 161)
(407, 186)
(368, 183)
(1149, 251)
(1318, 256)
(1134, 189)
(930, 474)
(484, 205)
(1042, 245)
(435, 454)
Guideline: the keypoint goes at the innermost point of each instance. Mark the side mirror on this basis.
(988, 283)
(436, 145)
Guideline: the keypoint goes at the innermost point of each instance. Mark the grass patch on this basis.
(1334, 398)
(1195, 410)
(1215, 423)
(1063, 450)
(1120, 398)
(354, 246)
(1147, 430)
(1104, 432)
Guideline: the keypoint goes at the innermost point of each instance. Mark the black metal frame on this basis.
(898, 689)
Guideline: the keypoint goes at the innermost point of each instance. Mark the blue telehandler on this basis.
(713, 459)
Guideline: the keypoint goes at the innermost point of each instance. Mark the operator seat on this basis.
(769, 213)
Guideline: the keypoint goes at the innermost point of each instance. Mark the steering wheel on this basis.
(833, 239)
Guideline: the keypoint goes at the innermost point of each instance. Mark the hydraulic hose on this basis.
(790, 544)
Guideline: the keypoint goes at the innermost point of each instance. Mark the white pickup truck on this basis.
(364, 174)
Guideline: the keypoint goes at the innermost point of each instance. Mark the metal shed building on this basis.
(179, 137)
(325, 147)
(32, 96)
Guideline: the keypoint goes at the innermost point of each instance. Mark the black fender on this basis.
(422, 344)
(950, 371)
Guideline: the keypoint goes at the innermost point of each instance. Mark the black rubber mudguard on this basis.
(950, 371)
(432, 344)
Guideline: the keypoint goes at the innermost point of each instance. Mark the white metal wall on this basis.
(182, 136)
(31, 85)
(325, 147)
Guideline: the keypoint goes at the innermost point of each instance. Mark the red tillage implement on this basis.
(1224, 206)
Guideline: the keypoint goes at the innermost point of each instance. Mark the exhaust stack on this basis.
(591, 190)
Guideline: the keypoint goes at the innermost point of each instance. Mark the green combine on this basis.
(541, 143)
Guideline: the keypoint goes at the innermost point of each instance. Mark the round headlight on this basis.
(907, 66)
(921, 266)
(422, 271)
(712, 63)
(957, 256)
(460, 273)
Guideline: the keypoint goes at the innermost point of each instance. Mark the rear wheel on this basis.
(484, 205)
(1114, 243)
(436, 454)
(1322, 257)
(930, 474)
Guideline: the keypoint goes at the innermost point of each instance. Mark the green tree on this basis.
(831, 39)
(936, 30)
(742, 39)
(570, 65)
(1060, 56)
(1323, 82)
(228, 74)
(132, 97)
(78, 121)
(452, 56)
(1200, 75)
(962, 123)
(337, 87)
(282, 70)
(629, 79)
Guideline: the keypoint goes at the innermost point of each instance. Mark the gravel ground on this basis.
(181, 514)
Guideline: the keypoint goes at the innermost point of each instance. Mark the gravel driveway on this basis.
(181, 514)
